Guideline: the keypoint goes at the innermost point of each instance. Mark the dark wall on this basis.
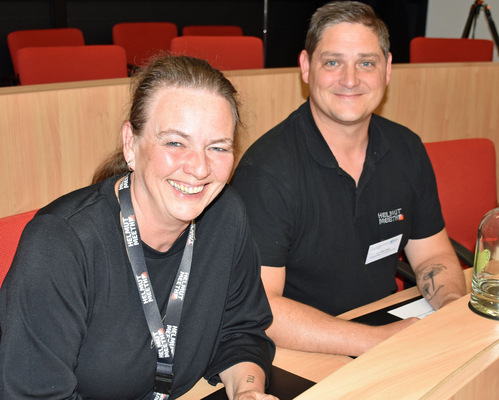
(287, 21)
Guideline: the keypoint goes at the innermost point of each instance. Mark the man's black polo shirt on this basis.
(307, 214)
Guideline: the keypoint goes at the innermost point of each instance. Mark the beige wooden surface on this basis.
(432, 355)
(52, 137)
(318, 367)
(313, 366)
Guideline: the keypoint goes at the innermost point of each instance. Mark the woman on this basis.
(91, 265)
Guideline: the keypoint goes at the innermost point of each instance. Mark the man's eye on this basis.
(173, 144)
(332, 63)
(367, 64)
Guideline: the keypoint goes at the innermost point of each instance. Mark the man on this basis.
(334, 193)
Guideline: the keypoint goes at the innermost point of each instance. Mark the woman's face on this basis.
(185, 155)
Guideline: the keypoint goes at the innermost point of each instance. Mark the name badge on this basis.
(383, 249)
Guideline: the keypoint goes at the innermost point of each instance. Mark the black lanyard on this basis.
(164, 336)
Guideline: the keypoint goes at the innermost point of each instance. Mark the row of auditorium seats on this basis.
(225, 47)
(60, 55)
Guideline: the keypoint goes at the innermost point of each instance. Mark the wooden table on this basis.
(447, 354)
(452, 352)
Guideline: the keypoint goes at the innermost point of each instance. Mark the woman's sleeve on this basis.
(247, 315)
(43, 311)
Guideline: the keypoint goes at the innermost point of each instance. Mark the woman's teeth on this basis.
(186, 189)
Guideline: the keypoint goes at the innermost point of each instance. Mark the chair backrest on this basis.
(71, 63)
(41, 38)
(212, 30)
(11, 228)
(142, 40)
(222, 52)
(465, 170)
(427, 50)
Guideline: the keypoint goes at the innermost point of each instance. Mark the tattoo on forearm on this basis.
(250, 379)
(427, 278)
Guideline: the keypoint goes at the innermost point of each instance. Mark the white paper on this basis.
(383, 249)
(419, 308)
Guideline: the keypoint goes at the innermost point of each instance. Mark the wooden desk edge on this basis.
(284, 357)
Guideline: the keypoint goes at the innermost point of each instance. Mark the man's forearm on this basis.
(301, 327)
(441, 281)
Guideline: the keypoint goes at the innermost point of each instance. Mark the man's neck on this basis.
(348, 143)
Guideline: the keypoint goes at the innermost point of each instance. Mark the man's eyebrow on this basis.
(330, 54)
(367, 55)
(363, 55)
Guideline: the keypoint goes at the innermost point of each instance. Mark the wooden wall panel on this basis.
(52, 137)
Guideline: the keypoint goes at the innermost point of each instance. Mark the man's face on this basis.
(347, 75)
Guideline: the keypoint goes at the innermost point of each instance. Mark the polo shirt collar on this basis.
(377, 147)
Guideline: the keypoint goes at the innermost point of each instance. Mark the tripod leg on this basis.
(492, 26)
(474, 11)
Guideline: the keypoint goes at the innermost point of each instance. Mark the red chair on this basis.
(10, 231)
(465, 170)
(222, 52)
(429, 50)
(142, 40)
(212, 30)
(73, 63)
(41, 38)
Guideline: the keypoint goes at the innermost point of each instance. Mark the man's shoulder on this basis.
(278, 143)
(391, 128)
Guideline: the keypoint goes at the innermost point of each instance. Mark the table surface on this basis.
(443, 341)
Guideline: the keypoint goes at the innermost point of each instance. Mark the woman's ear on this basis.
(128, 145)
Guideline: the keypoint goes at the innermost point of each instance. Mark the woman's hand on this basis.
(245, 381)
(253, 395)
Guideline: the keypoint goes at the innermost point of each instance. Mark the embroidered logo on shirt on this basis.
(385, 217)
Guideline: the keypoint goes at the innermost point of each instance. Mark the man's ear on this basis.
(389, 69)
(304, 65)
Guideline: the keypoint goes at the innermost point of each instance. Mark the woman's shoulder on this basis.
(228, 202)
(81, 200)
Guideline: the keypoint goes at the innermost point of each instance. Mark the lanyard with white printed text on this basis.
(164, 336)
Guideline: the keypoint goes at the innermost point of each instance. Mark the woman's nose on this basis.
(197, 164)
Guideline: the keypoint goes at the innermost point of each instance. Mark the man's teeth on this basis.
(186, 189)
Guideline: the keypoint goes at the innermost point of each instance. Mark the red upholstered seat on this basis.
(71, 63)
(222, 52)
(427, 50)
(41, 38)
(465, 170)
(11, 228)
(212, 30)
(142, 40)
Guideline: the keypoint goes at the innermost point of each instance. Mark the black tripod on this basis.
(472, 17)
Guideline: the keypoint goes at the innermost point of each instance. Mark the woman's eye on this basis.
(219, 149)
(173, 144)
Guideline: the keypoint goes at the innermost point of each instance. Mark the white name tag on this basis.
(383, 249)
